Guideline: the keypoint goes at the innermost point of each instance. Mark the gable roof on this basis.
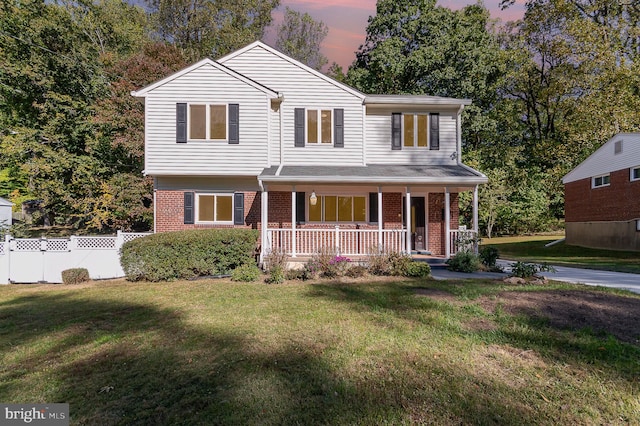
(606, 160)
(4, 202)
(144, 91)
(299, 64)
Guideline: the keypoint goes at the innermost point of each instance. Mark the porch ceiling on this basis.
(456, 175)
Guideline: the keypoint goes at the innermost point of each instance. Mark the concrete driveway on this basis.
(620, 280)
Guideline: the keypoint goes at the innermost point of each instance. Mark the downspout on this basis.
(281, 97)
(459, 134)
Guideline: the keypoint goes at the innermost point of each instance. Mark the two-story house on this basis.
(602, 196)
(257, 139)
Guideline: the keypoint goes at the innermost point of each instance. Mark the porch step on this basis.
(434, 262)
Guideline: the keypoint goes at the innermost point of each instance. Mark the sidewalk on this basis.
(620, 280)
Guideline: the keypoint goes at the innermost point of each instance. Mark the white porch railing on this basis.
(347, 242)
(463, 240)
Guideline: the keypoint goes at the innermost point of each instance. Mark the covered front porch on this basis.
(356, 211)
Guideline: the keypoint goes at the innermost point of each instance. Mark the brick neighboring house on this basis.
(257, 138)
(602, 196)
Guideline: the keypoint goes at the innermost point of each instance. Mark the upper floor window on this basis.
(598, 181)
(338, 208)
(214, 208)
(207, 122)
(415, 131)
(635, 173)
(319, 129)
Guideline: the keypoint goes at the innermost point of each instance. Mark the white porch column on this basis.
(293, 222)
(408, 220)
(475, 210)
(264, 223)
(447, 223)
(380, 218)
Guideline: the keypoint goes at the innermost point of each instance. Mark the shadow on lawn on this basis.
(128, 363)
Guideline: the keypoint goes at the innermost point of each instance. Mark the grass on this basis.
(217, 352)
(532, 249)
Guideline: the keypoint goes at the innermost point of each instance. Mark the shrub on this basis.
(275, 259)
(187, 254)
(75, 276)
(388, 263)
(527, 270)
(418, 270)
(328, 264)
(356, 271)
(489, 255)
(246, 273)
(464, 261)
(276, 275)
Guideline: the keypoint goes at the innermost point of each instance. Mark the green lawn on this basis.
(532, 249)
(216, 352)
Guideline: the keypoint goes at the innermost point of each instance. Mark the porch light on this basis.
(313, 200)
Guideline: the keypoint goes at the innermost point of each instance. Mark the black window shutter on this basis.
(300, 207)
(181, 123)
(338, 127)
(373, 207)
(434, 131)
(238, 208)
(396, 131)
(234, 123)
(299, 127)
(189, 199)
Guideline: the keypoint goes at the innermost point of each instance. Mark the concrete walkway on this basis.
(620, 280)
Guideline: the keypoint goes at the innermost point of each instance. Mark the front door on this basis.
(418, 234)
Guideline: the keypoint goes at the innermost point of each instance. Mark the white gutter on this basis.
(373, 179)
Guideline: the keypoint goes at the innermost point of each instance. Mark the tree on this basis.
(416, 47)
(203, 28)
(300, 37)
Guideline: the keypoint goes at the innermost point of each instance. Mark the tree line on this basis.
(547, 90)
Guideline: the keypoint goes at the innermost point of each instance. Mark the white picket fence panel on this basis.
(32, 260)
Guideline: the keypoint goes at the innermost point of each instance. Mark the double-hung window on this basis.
(420, 130)
(207, 122)
(339, 208)
(319, 127)
(214, 208)
(415, 130)
(600, 181)
(635, 173)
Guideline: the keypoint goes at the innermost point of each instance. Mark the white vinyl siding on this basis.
(604, 160)
(600, 181)
(378, 137)
(302, 89)
(205, 85)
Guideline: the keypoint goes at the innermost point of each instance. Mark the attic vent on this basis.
(618, 147)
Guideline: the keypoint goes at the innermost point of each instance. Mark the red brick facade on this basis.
(619, 201)
(170, 214)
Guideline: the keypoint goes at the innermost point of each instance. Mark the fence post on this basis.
(119, 240)
(337, 239)
(4, 261)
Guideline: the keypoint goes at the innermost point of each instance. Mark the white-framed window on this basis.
(214, 208)
(600, 181)
(319, 126)
(208, 121)
(635, 173)
(415, 130)
(339, 208)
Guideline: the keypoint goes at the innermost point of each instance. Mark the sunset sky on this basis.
(347, 21)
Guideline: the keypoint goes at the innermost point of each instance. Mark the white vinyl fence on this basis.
(33, 260)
